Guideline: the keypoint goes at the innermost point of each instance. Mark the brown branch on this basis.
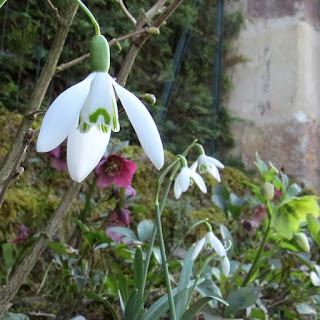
(24, 268)
(19, 146)
(155, 9)
(54, 11)
(78, 60)
(126, 12)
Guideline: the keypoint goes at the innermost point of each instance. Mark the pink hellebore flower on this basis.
(24, 234)
(58, 158)
(115, 169)
(118, 218)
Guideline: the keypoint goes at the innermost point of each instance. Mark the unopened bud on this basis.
(154, 30)
(268, 190)
(117, 46)
(301, 241)
(149, 98)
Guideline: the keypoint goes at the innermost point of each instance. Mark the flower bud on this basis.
(99, 54)
(268, 190)
(149, 98)
(154, 30)
(117, 45)
(301, 241)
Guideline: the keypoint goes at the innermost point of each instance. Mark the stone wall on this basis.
(277, 91)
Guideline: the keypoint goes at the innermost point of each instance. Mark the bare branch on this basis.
(126, 12)
(155, 9)
(54, 11)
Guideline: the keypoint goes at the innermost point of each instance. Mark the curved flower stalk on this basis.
(208, 164)
(87, 112)
(185, 178)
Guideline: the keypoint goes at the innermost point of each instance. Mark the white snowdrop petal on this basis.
(215, 162)
(184, 179)
(199, 181)
(198, 248)
(84, 151)
(194, 166)
(62, 114)
(143, 125)
(214, 172)
(225, 266)
(216, 244)
(177, 190)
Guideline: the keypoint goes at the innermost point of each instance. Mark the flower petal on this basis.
(194, 166)
(199, 181)
(84, 151)
(215, 162)
(62, 114)
(225, 266)
(198, 248)
(216, 244)
(177, 190)
(212, 169)
(143, 125)
(183, 179)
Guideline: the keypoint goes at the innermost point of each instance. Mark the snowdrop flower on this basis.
(208, 242)
(87, 112)
(185, 178)
(208, 164)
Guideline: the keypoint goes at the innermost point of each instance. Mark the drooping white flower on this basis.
(210, 165)
(87, 112)
(208, 242)
(184, 179)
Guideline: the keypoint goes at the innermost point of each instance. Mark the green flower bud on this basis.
(149, 98)
(301, 241)
(268, 190)
(118, 46)
(154, 30)
(99, 54)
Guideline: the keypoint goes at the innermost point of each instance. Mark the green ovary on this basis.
(100, 112)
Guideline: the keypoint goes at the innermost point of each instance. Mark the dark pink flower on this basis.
(118, 218)
(259, 213)
(115, 169)
(129, 192)
(58, 158)
(24, 234)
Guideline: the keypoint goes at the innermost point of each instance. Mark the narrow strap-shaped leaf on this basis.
(138, 282)
(130, 306)
(183, 282)
(195, 308)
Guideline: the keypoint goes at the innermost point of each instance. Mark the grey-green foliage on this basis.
(30, 29)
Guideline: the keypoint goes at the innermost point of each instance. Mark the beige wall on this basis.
(277, 91)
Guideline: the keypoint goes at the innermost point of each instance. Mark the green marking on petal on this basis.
(84, 127)
(103, 128)
(203, 168)
(100, 112)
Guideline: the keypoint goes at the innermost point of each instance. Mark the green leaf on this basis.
(138, 282)
(304, 206)
(304, 308)
(58, 247)
(123, 287)
(81, 225)
(293, 190)
(220, 197)
(184, 279)
(15, 316)
(242, 298)
(130, 306)
(285, 222)
(314, 228)
(197, 306)
(262, 167)
(145, 229)
(126, 232)
(7, 251)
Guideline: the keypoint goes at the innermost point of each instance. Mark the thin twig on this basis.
(126, 12)
(54, 11)
(78, 60)
(155, 9)
(42, 314)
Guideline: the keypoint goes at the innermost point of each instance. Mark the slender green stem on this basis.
(2, 2)
(91, 16)
(165, 264)
(257, 257)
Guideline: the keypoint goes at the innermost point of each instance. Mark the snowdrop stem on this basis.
(183, 160)
(90, 15)
(165, 264)
(200, 148)
(2, 2)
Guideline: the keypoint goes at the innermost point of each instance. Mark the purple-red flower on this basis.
(115, 169)
(58, 158)
(24, 234)
(259, 213)
(118, 218)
